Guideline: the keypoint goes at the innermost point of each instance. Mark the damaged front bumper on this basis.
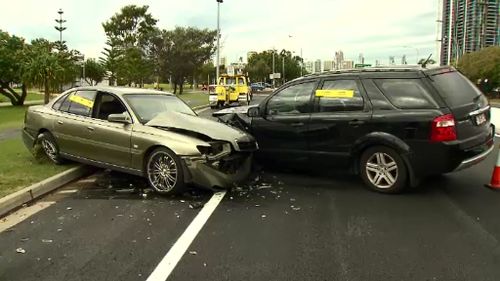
(222, 173)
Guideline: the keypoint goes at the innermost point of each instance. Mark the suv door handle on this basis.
(60, 122)
(90, 128)
(298, 124)
(356, 123)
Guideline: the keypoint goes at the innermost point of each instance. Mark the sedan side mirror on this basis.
(120, 118)
(253, 111)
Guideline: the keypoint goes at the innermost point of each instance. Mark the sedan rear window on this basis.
(455, 88)
(147, 106)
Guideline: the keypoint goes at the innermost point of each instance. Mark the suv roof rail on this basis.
(392, 68)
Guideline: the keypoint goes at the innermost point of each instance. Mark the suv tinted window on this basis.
(339, 95)
(294, 99)
(406, 93)
(79, 103)
(455, 89)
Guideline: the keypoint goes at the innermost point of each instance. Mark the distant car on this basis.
(142, 132)
(259, 86)
(391, 126)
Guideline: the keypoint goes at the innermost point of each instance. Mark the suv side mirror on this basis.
(253, 111)
(119, 118)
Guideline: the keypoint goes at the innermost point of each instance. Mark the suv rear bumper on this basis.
(474, 160)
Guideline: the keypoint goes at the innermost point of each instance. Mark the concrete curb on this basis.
(28, 194)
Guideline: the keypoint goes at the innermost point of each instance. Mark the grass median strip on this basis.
(12, 117)
(18, 167)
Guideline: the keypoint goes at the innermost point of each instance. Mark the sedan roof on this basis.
(122, 90)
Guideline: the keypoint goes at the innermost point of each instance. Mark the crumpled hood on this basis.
(236, 110)
(213, 129)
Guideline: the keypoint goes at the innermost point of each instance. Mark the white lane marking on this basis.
(68, 191)
(168, 263)
(202, 110)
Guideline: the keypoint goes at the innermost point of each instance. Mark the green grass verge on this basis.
(19, 168)
(30, 97)
(12, 117)
(195, 98)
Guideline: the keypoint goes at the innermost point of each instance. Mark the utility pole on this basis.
(218, 40)
(60, 28)
(301, 62)
(283, 68)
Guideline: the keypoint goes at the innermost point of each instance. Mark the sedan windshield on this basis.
(147, 106)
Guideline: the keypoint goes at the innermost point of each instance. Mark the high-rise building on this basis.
(309, 66)
(391, 60)
(347, 64)
(468, 26)
(223, 61)
(328, 65)
(361, 59)
(339, 59)
(317, 66)
(403, 60)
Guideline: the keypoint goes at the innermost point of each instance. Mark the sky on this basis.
(377, 29)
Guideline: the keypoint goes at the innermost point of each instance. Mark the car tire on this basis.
(383, 170)
(49, 146)
(164, 171)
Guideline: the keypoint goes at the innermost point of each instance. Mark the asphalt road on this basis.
(276, 226)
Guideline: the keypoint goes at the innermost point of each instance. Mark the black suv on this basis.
(392, 126)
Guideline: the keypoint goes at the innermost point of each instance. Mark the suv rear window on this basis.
(406, 93)
(455, 88)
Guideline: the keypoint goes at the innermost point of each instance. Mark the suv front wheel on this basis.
(383, 170)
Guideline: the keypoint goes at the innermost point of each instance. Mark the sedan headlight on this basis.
(215, 150)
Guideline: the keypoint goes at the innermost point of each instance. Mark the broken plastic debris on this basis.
(257, 205)
(148, 238)
(24, 239)
(292, 199)
(69, 208)
(21, 251)
(194, 253)
(47, 241)
(59, 229)
(182, 201)
(204, 264)
(264, 186)
(263, 216)
(196, 205)
(144, 195)
(296, 208)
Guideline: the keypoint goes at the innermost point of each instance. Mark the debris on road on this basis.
(196, 205)
(47, 241)
(194, 253)
(21, 251)
(69, 208)
(263, 216)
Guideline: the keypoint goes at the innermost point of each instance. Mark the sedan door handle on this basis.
(298, 124)
(60, 122)
(90, 128)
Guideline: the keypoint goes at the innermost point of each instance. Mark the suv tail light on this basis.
(443, 129)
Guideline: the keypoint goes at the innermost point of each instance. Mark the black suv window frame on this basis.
(286, 86)
(428, 95)
(362, 93)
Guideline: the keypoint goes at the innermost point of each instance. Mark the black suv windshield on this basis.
(146, 107)
(455, 89)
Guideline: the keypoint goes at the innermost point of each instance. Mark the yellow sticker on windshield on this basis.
(83, 101)
(335, 93)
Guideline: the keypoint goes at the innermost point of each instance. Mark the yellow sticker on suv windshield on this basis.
(335, 93)
(83, 101)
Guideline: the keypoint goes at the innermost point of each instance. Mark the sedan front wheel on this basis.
(164, 171)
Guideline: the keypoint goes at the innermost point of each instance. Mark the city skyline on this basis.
(364, 26)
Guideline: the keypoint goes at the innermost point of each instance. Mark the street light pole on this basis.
(273, 68)
(283, 67)
(218, 41)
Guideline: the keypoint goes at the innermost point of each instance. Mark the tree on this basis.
(183, 51)
(482, 65)
(46, 66)
(110, 61)
(94, 72)
(12, 59)
(260, 65)
(129, 35)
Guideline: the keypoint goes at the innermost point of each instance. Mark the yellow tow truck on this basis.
(231, 90)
